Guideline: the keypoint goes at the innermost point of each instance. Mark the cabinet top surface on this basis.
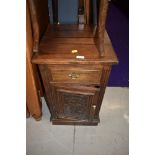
(72, 44)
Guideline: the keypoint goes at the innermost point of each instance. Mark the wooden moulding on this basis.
(39, 19)
(99, 40)
(33, 85)
(87, 11)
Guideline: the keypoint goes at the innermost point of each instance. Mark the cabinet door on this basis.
(75, 102)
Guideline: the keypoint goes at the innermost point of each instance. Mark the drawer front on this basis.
(75, 75)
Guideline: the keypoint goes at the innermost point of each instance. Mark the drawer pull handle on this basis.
(93, 111)
(74, 76)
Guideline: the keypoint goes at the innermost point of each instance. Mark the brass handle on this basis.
(74, 76)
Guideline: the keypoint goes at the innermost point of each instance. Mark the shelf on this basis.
(59, 41)
(62, 39)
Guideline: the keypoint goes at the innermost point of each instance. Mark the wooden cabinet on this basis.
(75, 92)
(72, 92)
(75, 63)
(33, 85)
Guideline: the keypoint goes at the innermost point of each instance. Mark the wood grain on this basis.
(87, 11)
(32, 80)
(75, 87)
(103, 7)
(61, 74)
(40, 19)
(61, 53)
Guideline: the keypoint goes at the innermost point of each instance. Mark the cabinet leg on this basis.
(37, 118)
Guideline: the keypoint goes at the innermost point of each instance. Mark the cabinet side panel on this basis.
(50, 95)
(32, 82)
(104, 80)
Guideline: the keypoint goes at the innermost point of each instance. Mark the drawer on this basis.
(75, 74)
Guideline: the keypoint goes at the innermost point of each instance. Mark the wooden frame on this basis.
(33, 85)
(75, 63)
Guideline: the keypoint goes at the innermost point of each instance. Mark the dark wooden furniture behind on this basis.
(33, 85)
(75, 63)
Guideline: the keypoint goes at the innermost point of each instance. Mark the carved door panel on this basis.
(76, 102)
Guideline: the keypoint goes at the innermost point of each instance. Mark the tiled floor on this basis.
(110, 137)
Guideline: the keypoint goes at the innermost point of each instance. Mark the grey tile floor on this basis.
(110, 137)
